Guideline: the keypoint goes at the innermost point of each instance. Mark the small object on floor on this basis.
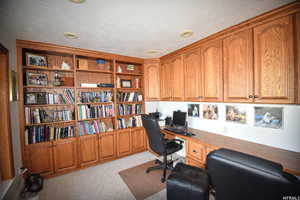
(187, 182)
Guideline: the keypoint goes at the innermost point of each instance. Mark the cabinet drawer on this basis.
(196, 151)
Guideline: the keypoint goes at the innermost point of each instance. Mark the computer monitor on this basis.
(179, 118)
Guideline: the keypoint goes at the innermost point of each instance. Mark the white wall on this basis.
(286, 138)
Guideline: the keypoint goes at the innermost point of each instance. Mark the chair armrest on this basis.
(174, 140)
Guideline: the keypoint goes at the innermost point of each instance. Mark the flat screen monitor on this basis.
(179, 118)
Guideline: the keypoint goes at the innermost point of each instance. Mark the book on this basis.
(89, 85)
(101, 111)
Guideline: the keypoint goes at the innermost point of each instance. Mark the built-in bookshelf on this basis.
(72, 106)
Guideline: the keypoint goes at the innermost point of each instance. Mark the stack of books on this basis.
(135, 121)
(101, 111)
(66, 97)
(36, 134)
(95, 97)
(129, 96)
(129, 109)
(38, 115)
(94, 127)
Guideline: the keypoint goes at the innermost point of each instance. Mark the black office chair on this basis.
(160, 145)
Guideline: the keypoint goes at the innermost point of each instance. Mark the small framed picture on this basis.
(130, 67)
(193, 110)
(35, 60)
(33, 79)
(30, 98)
(126, 84)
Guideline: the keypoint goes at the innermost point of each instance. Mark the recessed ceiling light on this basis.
(186, 33)
(77, 1)
(152, 51)
(70, 35)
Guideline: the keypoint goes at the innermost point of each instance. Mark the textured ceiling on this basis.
(127, 27)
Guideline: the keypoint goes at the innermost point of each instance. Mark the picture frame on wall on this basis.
(126, 84)
(268, 117)
(193, 110)
(236, 114)
(210, 111)
(35, 60)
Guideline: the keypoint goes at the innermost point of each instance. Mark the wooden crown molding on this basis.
(78, 51)
(282, 11)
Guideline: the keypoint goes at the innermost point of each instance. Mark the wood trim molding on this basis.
(78, 51)
(282, 11)
(6, 152)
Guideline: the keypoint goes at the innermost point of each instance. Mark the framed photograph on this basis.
(210, 111)
(268, 117)
(13, 86)
(130, 67)
(36, 79)
(126, 84)
(35, 60)
(236, 114)
(193, 110)
(30, 98)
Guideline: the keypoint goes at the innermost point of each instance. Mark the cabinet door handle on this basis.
(250, 96)
(194, 151)
(255, 96)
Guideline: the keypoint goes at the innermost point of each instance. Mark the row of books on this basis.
(101, 111)
(94, 127)
(129, 109)
(135, 121)
(66, 97)
(129, 96)
(94, 97)
(36, 134)
(38, 115)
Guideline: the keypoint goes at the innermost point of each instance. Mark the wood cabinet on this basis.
(298, 51)
(178, 79)
(194, 162)
(40, 158)
(138, 139)
(65, 154)
(166, 76)
(274, 62)
(124, 142)
(196, 151)
(88, 149)
(152, 80)
(238, 67)
(192, 76)
(212, 71)
(107, 146)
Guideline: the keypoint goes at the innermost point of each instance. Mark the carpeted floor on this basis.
(99, 182)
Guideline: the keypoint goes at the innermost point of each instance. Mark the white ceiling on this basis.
(127, 27)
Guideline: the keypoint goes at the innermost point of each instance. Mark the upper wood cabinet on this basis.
(238, 67)
(166, 76)
(178, 79)
(151, 78)
(274, 62)
(192, 76)
(298, 50)
(212, 71)
(65, 154)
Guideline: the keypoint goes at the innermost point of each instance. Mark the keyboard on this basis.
(179, 131)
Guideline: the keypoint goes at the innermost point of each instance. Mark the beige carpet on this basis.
(142, 184)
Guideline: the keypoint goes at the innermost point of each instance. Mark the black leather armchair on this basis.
(160, 145)
(235, 176)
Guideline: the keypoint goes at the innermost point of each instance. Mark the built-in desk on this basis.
(203, 142)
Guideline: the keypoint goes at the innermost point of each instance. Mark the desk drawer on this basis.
(196, 151)
(195, 163)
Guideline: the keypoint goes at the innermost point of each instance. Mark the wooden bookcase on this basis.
(58, 156)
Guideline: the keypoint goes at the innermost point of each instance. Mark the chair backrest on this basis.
(156, 140)
(235, 175)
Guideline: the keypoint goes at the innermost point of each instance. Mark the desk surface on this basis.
(290, 160)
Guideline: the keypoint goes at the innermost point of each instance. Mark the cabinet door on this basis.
(192, 79)
(151, 77)
(165, 81)
(196, 151)
(298, 50)
(107, 146)
(138, 139)
(65, 154)
(88, 149)
(274, 62)
(124, 145)
(212, 71)
(238, 67)
(177, 84)
(40, 158)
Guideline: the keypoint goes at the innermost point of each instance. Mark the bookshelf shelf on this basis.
(124, 116)
(47, 69)
(129, 89)
(128, 73)
(50, 123)
(91, 119)
(96, 103)
(94, 71)
(48, 105)
(130, 102)
(96, 88)
(49, 87)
